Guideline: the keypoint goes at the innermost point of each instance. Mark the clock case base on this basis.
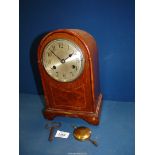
(90, 117)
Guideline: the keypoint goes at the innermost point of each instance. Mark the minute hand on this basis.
(56, 55)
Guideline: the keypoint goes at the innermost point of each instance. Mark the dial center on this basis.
(62, 61)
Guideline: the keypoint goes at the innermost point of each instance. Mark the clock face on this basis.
(63, 60)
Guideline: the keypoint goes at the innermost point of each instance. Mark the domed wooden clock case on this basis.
(68, 65)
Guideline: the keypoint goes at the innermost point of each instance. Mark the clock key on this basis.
(53, 126)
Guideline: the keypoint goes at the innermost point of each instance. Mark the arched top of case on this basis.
(87, 39)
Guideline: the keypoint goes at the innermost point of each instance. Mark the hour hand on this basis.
(56, 55)
(64, 60)
(69, 56)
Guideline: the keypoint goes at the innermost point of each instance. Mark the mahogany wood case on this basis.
(82, 97)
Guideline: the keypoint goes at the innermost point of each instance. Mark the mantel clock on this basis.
(68, 65)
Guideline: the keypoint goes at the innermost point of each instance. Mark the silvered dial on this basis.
(63, 60)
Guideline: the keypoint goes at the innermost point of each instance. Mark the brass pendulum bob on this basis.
(83, 133)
